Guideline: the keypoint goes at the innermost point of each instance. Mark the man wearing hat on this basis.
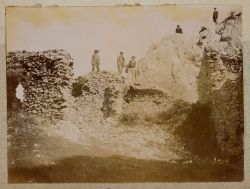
(178, 29)
(131, 70)
(215, 15)
(120, 63)
(95, 61)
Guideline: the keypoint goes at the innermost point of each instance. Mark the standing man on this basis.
(120, 63)
(178, 30)
(95, 61)
(132, 69)
(215, 16)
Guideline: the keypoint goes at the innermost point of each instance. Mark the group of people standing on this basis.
(130, 69)
(215, 20)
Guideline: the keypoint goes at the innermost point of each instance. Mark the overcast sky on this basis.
(80, 30)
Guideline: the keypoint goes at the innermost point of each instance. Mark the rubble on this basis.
(98, 96)
(45, 76)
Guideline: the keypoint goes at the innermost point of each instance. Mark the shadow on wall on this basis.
(13, 103)
(78, 86)
(198, 131)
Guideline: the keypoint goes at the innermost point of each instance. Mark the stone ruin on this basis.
(220, 85)
(98, 97)
(46, 78)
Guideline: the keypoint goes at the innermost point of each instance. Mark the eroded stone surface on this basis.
(46, 78)
(220, 85)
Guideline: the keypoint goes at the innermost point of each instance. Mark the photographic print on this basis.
(124, 94)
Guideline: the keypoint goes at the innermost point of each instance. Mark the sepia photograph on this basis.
(124, 94)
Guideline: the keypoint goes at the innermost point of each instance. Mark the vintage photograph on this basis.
(124, 94)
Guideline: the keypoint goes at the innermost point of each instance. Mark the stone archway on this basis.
(13, 103)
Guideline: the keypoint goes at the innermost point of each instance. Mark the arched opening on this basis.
(13, 103)
(20, 92)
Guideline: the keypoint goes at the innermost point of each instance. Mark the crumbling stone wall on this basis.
(220, 86)
(110, 96)
(98, 97)
(46, 78)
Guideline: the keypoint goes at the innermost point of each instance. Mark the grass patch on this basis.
(173, 117)
(193, 125)
(129, 118)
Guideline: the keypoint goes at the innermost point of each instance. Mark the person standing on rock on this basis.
(95, 61)
(215, 16)
(131, 70)
(178, 30)
(120, 63)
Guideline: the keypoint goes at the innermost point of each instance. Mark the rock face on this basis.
(173, 66)
(220, 85)
(46, 78)
(98, 96)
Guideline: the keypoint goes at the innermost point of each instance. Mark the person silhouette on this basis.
(178, 29)
(215, 15)
(95, 61)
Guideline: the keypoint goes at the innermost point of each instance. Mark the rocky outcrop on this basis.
(220, 85)
(46, 78)
(172, 65)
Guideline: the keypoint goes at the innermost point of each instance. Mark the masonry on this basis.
(46, 78)
(220, 85)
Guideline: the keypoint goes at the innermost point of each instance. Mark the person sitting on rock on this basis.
(131, 70)
(203, 28)
(215, 16)
(232, 16)
(95, 61)
(120, 63)
(178, 30)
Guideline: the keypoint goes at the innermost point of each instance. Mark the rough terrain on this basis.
(181, 121)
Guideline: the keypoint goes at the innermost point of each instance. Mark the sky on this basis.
(81, 30)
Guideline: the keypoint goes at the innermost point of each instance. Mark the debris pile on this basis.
(46, 78)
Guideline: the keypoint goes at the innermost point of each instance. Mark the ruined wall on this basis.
(46, 78)
(98, 97)
(220, 86)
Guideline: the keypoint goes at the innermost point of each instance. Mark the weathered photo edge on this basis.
(3, 104)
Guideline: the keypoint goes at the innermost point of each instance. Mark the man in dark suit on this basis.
(215, 16)
(178, 30)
